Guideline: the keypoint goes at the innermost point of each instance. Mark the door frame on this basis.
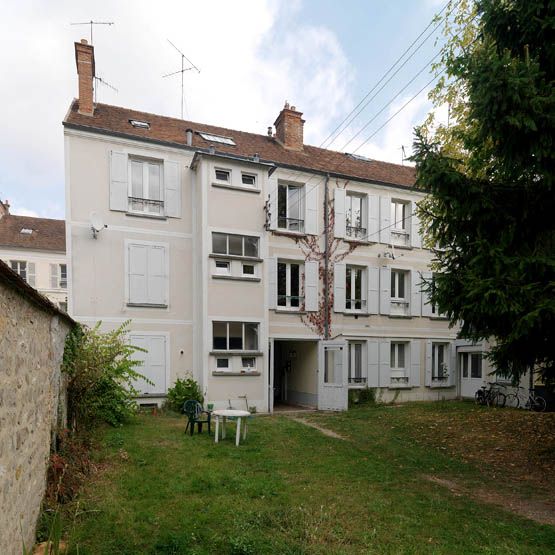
(333, 396)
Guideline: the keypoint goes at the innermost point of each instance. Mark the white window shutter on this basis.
(339, 211)
(385, 364)
(428, 380)
(53, 276)
(426, 306)
(157, 363)
(373, 379)
(142, 358)
(138, 255)
(31, 274)
(311, 210)
(385, 290)
(373, 231)
(339, 276)
(311, 285)
(172, 187)
(273, 202)
(415, 237)
(157, 279)
(385, 220)
(118, 181)
(452, 354)
(373, 293)
(272, 282)
(415, 363)
(416, 297)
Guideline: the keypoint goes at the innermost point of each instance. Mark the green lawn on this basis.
(290, 490)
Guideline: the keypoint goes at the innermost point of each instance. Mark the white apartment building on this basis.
(269, 269)
(35, 248)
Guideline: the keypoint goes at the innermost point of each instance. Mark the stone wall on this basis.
(32, 336)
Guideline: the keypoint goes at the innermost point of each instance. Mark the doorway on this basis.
(471, 371)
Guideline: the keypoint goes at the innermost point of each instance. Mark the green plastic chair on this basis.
(194, 412)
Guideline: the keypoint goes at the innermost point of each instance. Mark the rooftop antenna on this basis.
(182, 71)
(100, 81)
(403, 155)
(91, 23)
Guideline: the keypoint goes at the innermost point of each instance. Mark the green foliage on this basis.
(182, 391)
(101, 376)
(364, 396)
(489, 215)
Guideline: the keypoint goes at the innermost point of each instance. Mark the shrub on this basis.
(182, 391)
(364, 396)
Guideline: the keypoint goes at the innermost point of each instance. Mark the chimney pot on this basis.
(4, 208)
(289, 128)
(269, 130)
(189, 135)
(84, 58)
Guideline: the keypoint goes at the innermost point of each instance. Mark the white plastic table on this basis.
(224, 414)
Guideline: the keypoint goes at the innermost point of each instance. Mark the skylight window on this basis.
(358, 157)
(139, 124)
(26, 231)
(217, 139)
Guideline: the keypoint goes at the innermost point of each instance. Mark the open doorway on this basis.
(295, 375)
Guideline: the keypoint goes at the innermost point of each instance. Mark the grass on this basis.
(291, 490)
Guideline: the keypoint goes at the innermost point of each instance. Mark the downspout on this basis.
(326, 259)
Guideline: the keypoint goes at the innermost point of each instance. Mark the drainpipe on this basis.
(326, 259)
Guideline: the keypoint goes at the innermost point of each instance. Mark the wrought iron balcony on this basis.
(291, 224)
(355, 232)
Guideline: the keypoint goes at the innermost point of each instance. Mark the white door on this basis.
(332, 375)
(153, 363)
(471, 372)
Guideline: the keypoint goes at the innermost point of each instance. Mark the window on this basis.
(398, 357)
(472, 362)
(333, 365)
(248, 269)
(290, 207)
(146, 187)
(248, 179)
(222, 363)
(353, 288)
(63, 305)
(58, 276)
(248, 363)
(399, 293)
(354, 208)
(223, 175)
(235, 336)
(289, 276)
(217, 139)
(222, 267)
(398, 215)
(355, 363)
(147, 274)
(236, 245)
(440, 370)
(26, 270)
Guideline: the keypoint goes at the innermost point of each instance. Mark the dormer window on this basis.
(223, 175)
(139, 124)
(217, 139)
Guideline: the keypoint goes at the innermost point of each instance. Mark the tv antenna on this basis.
(100, 81)
(182, 72)
(91, 23)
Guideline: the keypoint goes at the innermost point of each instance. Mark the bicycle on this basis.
(491, 397)
(532, 401)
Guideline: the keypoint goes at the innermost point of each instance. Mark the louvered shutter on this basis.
(311, 286)
(426, 306)
(118, 181)
(385, 220)
(311, 210)
(272, 203)
(452, 353)
(138, 256)
(373, 290)
(172, 187)
(373, 379)
(385, 364)
(142, 358)
(416, 297)
(157, 279)
(272, 282)
(373, 231)
(53, 276)
(428, 380)
(339, 213)
(31, 276)
(415, 237)
(385, 290)
(339, 277)
(157, 364)
(415, 363)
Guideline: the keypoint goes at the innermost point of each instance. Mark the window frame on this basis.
(227, 349)
(288, 283)
(399, 375)
(362, 379)
(353, 269)
(145, 198)
(254, 184)
(243, 237)
(299, 222)
(352, 231)
(229, 173)
(444, 376)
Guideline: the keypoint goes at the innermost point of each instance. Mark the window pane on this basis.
(251, 337)
(464, 360)
(236, 245)
(235, 335)
(401, 284)
(219, 243)
(282, 284)
(392, 360)
(219, 330)
(294, 194)
(348, 288)
(248, 269)
(393, 279)
(329, 365)
(222, 175)
(358, 360)
(282, 206)
(434, 371)
(295, 284)
(401, 355)
(251, 246)
(248, 362)
(248, 179)
(358, 288)
(476, 365)
(222, 363)
(137, 179)
(440, 359)
(154, 182)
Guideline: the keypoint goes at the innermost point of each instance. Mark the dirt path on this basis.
(325, 431)
(540, 511)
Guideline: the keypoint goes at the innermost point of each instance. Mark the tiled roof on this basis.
(46, 234)
(115, 120)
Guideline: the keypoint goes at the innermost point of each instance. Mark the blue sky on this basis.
(321, 55)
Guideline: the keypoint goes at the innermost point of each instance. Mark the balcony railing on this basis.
(146, 205)
(357, 379)
(291, 224)
(289, 301)
(355, 232)
(355, 304)
(399, 380)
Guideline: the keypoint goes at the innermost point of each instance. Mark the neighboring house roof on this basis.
(39, 233)
(114, 120)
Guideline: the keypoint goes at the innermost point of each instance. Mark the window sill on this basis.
(440, 386)
(399, 386)
(358, 241)
(147, 305)
(438, 317)
(236, 188)
(355, 313)
(401, 246)
(236, 353)
(286, 233)
(288, 311)
(234, 374)
(235, 257)
(401, 316)
(145, 215)
(235, 278)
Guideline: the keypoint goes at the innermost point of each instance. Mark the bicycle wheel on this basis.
(479, 397)
(538, 403)
(500, 399)
(512, 401)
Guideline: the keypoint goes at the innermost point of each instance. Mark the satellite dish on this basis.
(97, 225)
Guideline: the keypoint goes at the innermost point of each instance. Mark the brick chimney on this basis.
(4, 208)
(84, 58)
(289, 128)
